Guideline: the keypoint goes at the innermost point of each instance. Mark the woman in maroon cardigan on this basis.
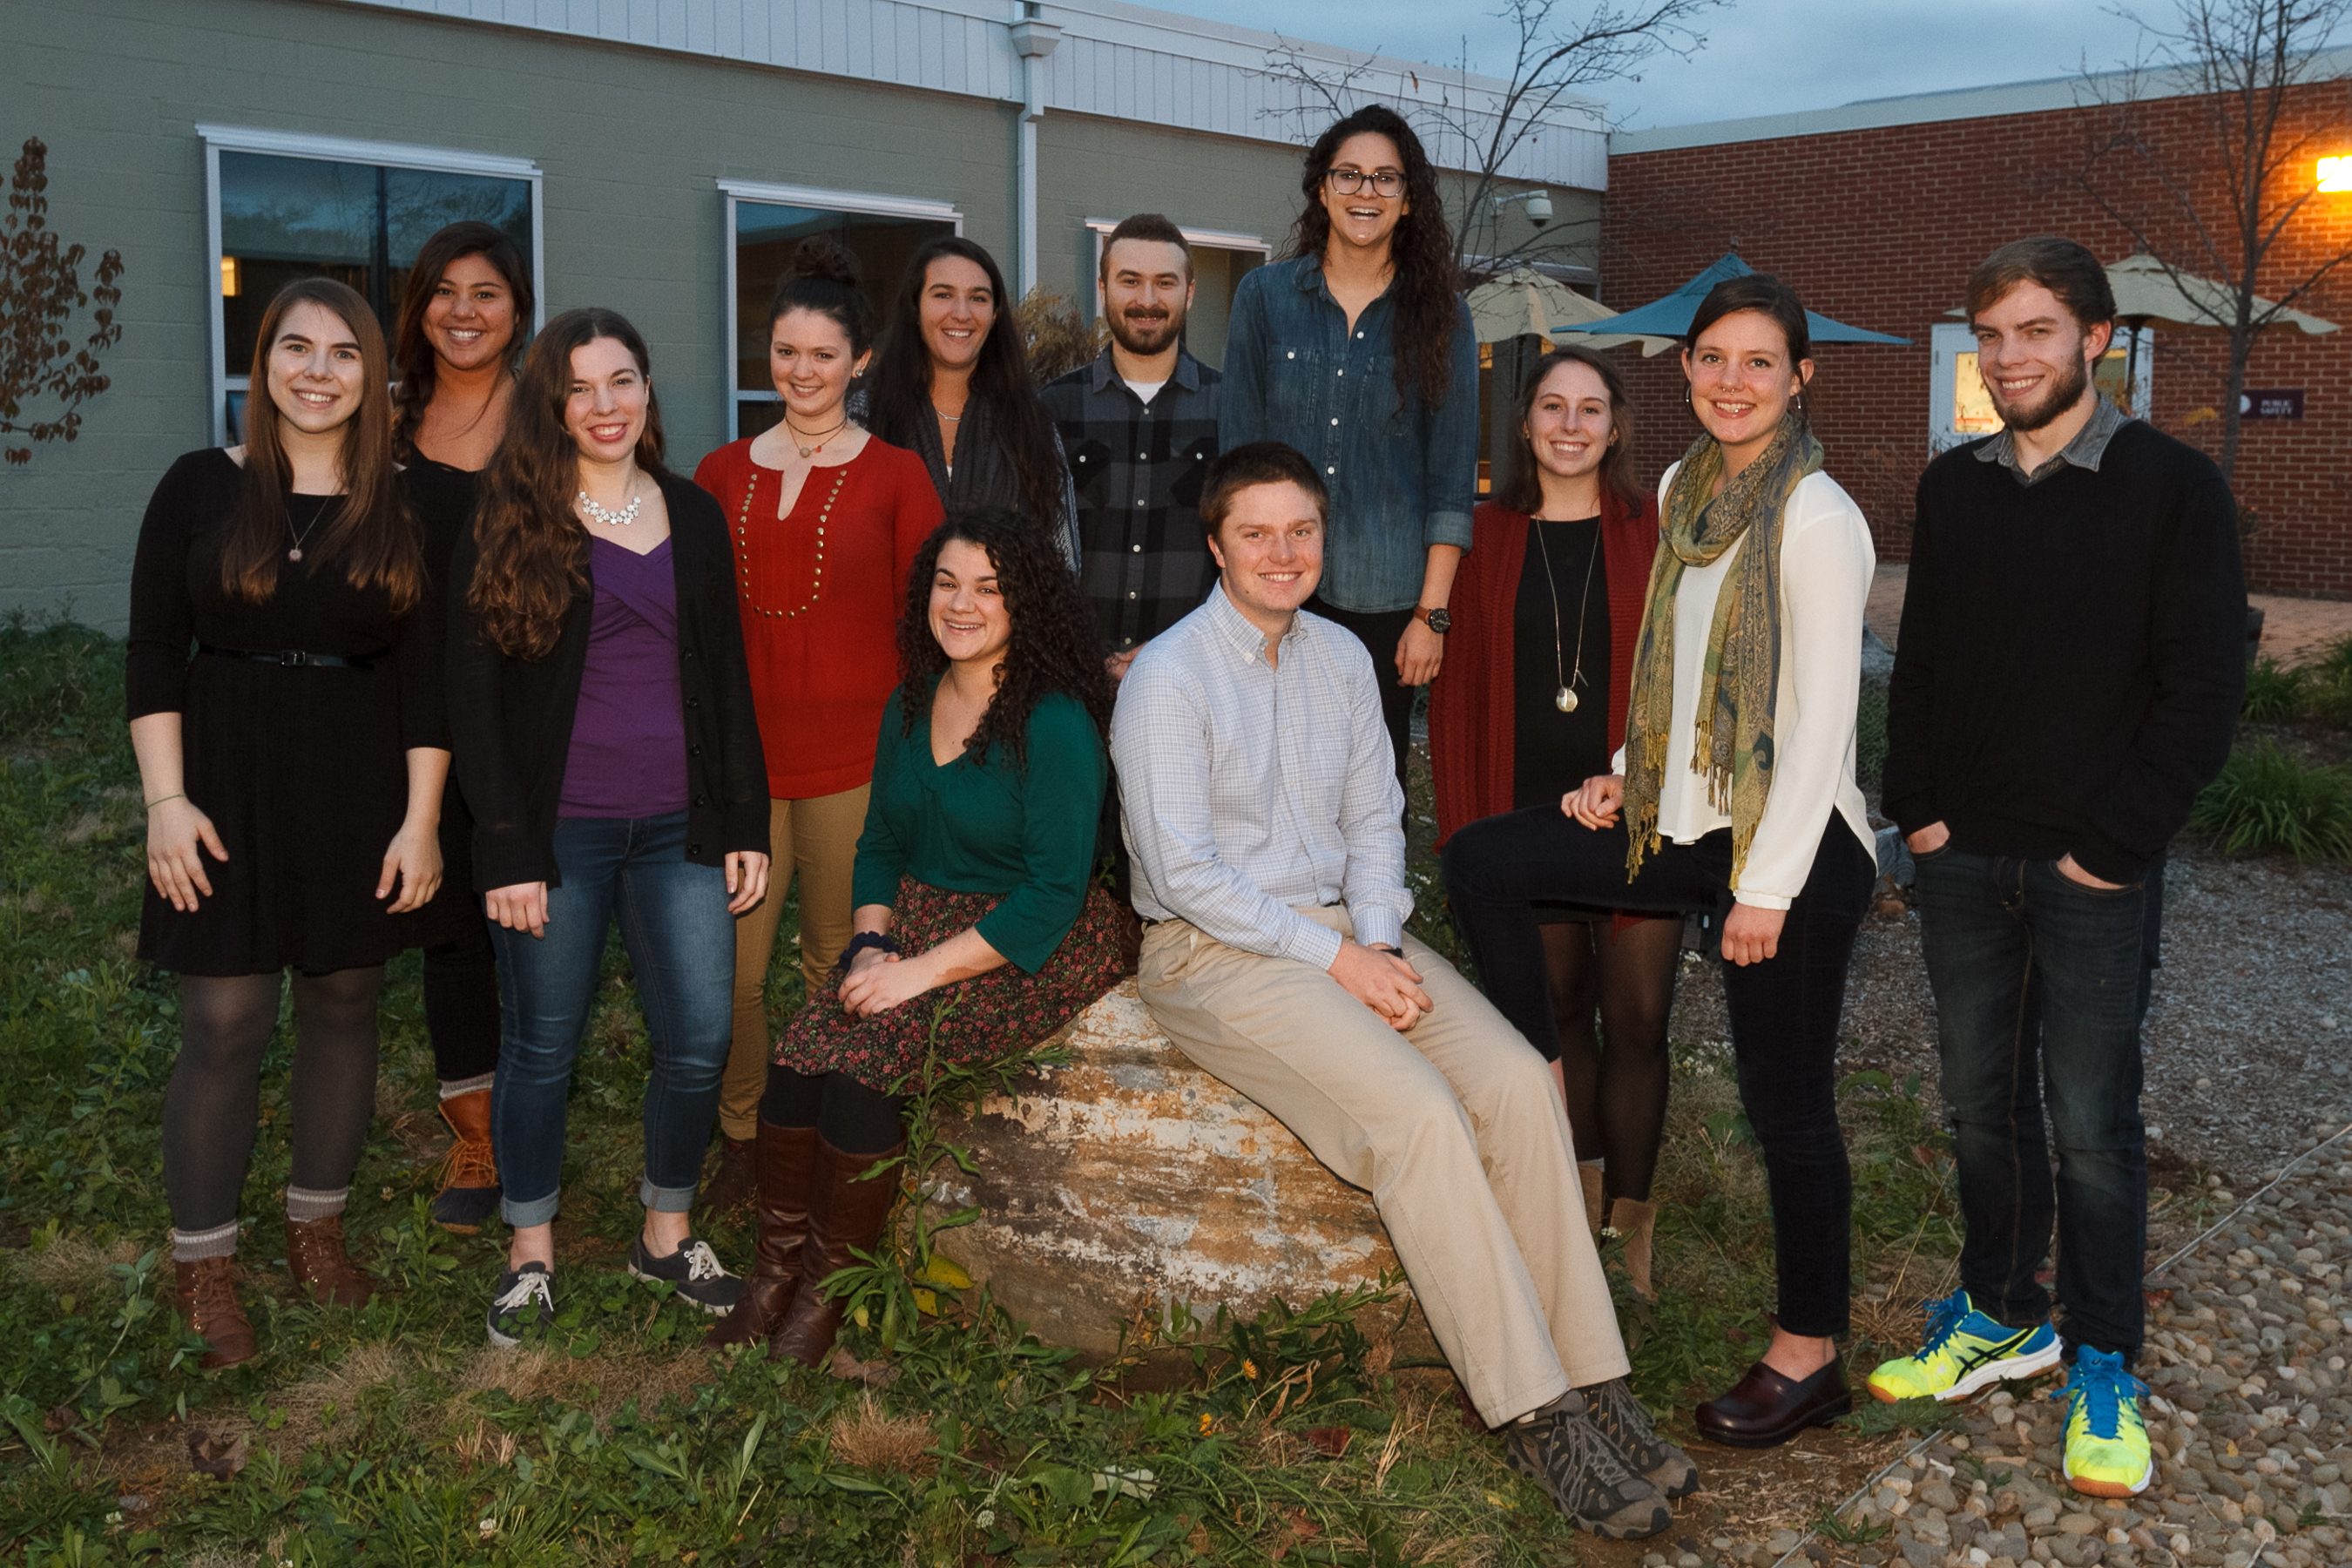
(1531, 701)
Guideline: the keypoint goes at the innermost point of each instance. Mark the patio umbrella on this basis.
(1524, 303)
(2148, 295)
(1670, 317)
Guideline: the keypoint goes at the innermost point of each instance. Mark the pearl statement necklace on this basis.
(610, 519)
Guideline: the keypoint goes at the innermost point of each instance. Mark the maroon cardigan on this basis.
(1472, 753)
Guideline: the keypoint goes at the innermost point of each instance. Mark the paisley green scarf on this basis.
(1732, 741)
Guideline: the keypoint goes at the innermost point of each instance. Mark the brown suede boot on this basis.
(787, 1180)
(322, 1270)
(844, 1213)
(470, 1176)
(1596, 1208)
(206, 1292)
(736, 1180)
(1637, 1224)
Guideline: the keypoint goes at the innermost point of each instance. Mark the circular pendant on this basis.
(1564, 700)
(294, 553)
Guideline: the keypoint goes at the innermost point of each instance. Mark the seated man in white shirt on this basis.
(1261, 806)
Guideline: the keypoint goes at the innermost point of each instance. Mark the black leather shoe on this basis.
(1765, 1409)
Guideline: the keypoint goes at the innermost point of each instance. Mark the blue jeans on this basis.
(2041, 983)
(681, 942)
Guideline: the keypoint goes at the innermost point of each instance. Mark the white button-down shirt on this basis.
(1248, 790)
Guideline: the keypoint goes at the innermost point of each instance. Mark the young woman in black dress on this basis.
(461, 328)
(293, 771)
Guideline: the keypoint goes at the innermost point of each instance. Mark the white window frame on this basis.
(1949, 340)
(1214, 239)
(762, 193)
(219, 139)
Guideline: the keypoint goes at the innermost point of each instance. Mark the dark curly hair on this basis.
(1421, 249)
(1054, 646)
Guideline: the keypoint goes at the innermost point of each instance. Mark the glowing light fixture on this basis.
(2335, 174)
(229, 279)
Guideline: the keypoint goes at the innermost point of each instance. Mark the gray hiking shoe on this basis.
(1562, 1450)
(1622, 1420)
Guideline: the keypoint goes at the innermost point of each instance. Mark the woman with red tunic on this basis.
(826, 519)
(1533, 692)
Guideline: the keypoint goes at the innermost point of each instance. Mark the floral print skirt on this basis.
(990, 1015)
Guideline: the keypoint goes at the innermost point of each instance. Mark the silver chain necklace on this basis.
(621, 519)
(1565, 698)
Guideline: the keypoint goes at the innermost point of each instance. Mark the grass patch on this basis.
(2276, 692)
(2265, 799)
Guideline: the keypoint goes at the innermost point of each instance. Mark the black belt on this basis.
(296, 658)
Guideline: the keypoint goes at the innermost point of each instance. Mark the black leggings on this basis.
(1615, 1076)
(846, 1114)
(461, 1004)
(1381, 631)
(214, 1102)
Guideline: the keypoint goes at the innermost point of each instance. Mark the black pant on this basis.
(461, 1004)
(1379, 631)
(1784, 1010)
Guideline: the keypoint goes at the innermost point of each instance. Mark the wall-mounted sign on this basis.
(2271, 403)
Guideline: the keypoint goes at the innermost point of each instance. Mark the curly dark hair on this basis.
(1054, 646)
(1421, 249)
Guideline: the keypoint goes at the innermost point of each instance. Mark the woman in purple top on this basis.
(605, 739)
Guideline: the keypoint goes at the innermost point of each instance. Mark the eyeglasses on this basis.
(1387, 183)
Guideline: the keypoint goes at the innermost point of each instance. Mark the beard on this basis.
(1140, 334)
(2063, 395)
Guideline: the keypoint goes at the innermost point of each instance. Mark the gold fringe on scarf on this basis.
(1732, 734)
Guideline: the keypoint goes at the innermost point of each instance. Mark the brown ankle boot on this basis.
(322, 1269)
(470, 1178)
(1637, 1222)
(844, 1213)
(787, 1173)
(1596, 1208)
(736, 1181)
(206, 1292)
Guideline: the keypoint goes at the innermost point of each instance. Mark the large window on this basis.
(765, 224)
(286, 206)
(1220, 262)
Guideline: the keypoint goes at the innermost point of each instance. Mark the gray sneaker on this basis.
(1627, 1425)
(700, 1277)
(1562, 1450)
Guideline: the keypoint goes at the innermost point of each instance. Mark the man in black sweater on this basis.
(2069, 670)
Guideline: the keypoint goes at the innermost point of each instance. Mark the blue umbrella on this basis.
(1670, 317)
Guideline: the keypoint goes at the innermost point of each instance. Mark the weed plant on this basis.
(2276, 692)
(2266, 799)
(391, 1436)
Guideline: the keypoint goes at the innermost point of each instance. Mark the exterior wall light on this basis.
(2335, 174)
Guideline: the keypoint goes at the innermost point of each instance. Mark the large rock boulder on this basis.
(1131, 1179)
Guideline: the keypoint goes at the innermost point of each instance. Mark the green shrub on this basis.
(2274, 692)
(58, 679)
(2265, 799)
(2330, 697)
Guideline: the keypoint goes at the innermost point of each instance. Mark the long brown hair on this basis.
(372, 534)
(533, 559)
(1522, 485)
(412, 352)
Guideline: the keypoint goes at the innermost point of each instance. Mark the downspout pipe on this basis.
(1033, 39)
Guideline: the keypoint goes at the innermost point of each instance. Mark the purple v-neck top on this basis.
(628, 739)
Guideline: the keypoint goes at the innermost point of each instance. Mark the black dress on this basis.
(302, 769)
(1553, 751)
(444, 500)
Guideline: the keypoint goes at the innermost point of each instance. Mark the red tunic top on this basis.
(1471, 740)
(821, 592)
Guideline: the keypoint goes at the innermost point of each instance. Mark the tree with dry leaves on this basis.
(2218, 201)
(40, 289)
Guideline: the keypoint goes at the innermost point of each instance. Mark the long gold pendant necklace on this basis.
(1565, 698)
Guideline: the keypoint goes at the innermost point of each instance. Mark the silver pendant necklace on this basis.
(1565, 698)
(610, 519)
(818, 441)
(296, 552)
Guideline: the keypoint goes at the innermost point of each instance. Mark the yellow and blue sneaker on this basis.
(1965, 1351)
(2106, 1445)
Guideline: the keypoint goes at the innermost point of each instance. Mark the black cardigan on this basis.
(511, 718)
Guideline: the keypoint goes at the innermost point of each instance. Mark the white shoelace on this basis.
(530, 1287)
(701, 1263)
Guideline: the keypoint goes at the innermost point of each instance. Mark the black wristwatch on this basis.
(1439, 620)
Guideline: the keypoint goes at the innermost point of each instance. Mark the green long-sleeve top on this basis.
(983, 826)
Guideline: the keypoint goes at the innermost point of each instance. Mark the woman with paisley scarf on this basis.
(1736, 786)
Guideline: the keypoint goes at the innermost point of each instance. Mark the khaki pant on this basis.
(816, 840)
(1455, 1130)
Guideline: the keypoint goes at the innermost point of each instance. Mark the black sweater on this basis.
(2072, 654)
(511, 718)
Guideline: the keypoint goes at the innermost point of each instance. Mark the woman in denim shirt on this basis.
(1356, 350)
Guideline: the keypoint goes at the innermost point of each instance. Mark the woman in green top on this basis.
(979, 928)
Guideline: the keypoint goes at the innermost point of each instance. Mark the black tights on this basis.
(214, 1102)
(461, 1004)
(846, 1114)
(1617, 1096)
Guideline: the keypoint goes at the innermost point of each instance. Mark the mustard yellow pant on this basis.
(817, 841)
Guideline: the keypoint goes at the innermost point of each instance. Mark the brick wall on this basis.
(1881, 228)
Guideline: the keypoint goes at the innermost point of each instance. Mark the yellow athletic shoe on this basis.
(1965, 1351)
(2106, 1444)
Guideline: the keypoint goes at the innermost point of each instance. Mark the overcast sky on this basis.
(1762, 57)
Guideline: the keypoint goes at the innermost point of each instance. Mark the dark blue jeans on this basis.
(1784, 1010)
(2040, 986)
(681, 942)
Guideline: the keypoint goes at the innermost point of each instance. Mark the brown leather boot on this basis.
(1596, 1208)
(322, 1270)
(1637, 1224)
(844, 1213)
(787, 1180)
(206, 1292)
(737, 1179)
(469, 1176)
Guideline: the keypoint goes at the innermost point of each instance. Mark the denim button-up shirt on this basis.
(1402, 475)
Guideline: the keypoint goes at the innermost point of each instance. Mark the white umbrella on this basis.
(2146, 294)
(1523, 302)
